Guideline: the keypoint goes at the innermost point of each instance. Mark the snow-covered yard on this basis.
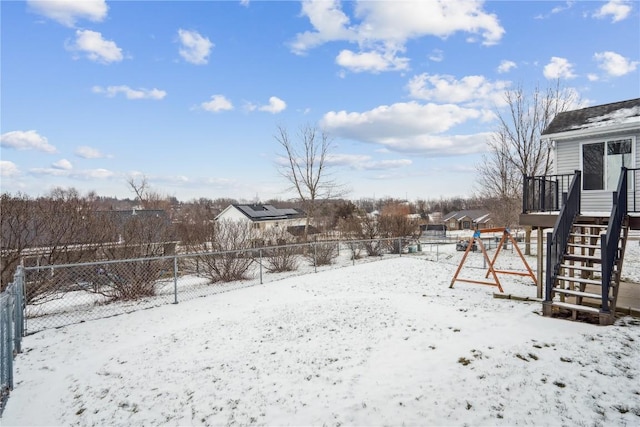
(382, 343)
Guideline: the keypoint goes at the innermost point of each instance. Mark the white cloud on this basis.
(329, 21)
(506, 66)
(409, 127)
(470, 90)
(86, 174)
(592, 77)
(436, 55)
(615, 64)
(371, 61)
(385, 27)
(195, 48)
(276, 105)
(95, 173)
(558, 68)
(217, 103)
(95, 47)
(8, 169)
(87, 152)
(67, 12)
(617, 9)
(63, 164)
(129, 93)
(365, 162)
(387, 164)
(566, 6)
(26, 140)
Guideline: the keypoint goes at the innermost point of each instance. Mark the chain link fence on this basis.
(11, 332)
(59, 295)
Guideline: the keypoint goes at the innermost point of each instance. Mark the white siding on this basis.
(568, 158)
(232, 214)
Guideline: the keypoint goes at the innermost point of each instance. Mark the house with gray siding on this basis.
(597, 141)
(584, 210)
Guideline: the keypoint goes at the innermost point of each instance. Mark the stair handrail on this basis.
(557, 240)
(609, 245)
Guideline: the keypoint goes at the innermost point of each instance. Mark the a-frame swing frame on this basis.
(506, 234)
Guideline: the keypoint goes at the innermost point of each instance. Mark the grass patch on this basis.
(464, 361)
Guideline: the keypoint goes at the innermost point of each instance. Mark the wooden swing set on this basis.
(506, 234)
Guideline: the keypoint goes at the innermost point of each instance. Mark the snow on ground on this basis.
(382, 343)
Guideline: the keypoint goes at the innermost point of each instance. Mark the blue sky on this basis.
(190, 93)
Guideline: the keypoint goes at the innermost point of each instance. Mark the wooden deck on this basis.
(548, 219)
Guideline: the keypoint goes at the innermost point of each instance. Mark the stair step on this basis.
(579, 280)
(577, 257)
(583, 245)
(595, 236)
(579, 293)
(581, 267)
(588, 224)
(576, 307)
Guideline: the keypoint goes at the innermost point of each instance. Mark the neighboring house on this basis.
(468, 220)
(264, 217)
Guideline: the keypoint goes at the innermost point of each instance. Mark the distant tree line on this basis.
(65, 227)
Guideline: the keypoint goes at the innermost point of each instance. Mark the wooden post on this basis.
(540, 255)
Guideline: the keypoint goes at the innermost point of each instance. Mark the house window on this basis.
(466, 225)
(601, 163)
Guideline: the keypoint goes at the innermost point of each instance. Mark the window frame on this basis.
(605, 142)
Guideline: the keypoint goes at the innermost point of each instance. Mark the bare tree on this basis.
(139, 185)
(516, 148)
(305, 167)
(145, 195)
(500, 183)
(19, 227)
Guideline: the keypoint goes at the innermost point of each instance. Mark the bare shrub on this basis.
(322, 253)
(283, 257)
(355, 248)
(129, 280)
(399, 228)
(226, 258)
(362, 226)
(139, 234)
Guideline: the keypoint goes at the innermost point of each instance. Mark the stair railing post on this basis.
(548, 274)
(606, 279)
(525, 197)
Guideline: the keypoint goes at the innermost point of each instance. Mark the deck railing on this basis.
(609, 245)
(544, 193)
(557, 240)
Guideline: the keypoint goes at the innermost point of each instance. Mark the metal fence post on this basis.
(175, 279)
(315, 259)
(19, 308)
(6, 351)
(260, 255)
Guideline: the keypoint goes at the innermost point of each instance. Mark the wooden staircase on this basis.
(577, 286)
